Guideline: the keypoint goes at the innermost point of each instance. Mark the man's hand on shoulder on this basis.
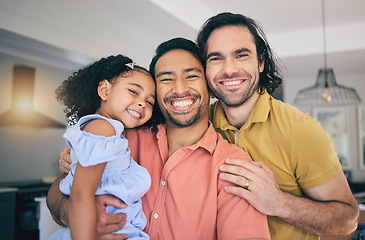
(254, 182)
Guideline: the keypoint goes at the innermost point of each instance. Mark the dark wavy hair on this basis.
(271, 76)
(79, 93)
(172, 44)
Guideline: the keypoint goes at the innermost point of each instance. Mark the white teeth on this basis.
(231, 83)
(181, 104)
(134, 113)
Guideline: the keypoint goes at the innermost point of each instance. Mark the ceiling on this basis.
(71, 33)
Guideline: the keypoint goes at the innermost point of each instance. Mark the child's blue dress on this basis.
(122, 176)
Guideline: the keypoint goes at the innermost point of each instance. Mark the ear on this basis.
(262, 63)
(103, 89)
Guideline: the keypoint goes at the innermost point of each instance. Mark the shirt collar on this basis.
(208, 141)
(261, 110)
(219, 117)
(260, 113)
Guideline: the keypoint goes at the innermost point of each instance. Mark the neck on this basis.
(179, 137)
(238, 116)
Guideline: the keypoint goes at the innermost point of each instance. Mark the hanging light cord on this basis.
(324, 44)
(324, 35)
(326, 92)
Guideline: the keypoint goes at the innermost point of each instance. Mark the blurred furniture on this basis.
(46, 225)
(7, 212)
(23, 221)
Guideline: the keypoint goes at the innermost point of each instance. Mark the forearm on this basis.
(57, 203)
(82, 218)
(320, 218)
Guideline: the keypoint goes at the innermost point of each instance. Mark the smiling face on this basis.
(181, 88)
(233, 68)
(129, 98)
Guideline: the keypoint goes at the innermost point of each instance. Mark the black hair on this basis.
(79, 93)
(172, 44)
(271, 76)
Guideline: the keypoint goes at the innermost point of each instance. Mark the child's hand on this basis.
(107, 223)
(65, 160)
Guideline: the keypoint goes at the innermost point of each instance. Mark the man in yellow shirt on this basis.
(296, 178)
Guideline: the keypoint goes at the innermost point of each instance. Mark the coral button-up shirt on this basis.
(187, 199)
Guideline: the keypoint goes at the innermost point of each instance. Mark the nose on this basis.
(180, 86)
(142, 104)
(230, 67)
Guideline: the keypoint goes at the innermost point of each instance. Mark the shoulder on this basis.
(281, 108)
(293, 124)
(139, 133)
(289, 115)
(225, 150)
(100, 127)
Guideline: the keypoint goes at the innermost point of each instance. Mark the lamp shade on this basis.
(326, 92)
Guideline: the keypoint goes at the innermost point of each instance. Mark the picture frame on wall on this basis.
(334, 120)
(361, 127)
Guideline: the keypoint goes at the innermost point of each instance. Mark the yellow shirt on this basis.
(292, 144)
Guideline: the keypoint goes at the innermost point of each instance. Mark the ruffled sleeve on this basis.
(90, 149)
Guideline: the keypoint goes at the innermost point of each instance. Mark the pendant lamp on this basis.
(326, 91)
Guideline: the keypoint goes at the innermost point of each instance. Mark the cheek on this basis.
(159, 90)
(159, 101)
(211, 72)
(203, 85)
(161, 93)
(209, 81)
(149, 114)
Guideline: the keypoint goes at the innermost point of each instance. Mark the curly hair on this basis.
(271, 76)
(79, 93)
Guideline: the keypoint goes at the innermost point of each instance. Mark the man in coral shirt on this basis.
(187, 199)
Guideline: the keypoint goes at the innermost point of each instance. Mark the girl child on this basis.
(104, 98)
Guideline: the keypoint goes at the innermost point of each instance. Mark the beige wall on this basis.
(29, 153)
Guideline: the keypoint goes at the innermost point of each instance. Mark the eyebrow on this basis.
(136, 84)
(185, 71)
(139, 86)
(163, 73)
(240, 50)
(213, 54)
(193, 69)
(243, 50)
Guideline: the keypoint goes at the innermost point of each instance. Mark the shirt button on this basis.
(155, 215)
(163, 183)
(238, 135)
